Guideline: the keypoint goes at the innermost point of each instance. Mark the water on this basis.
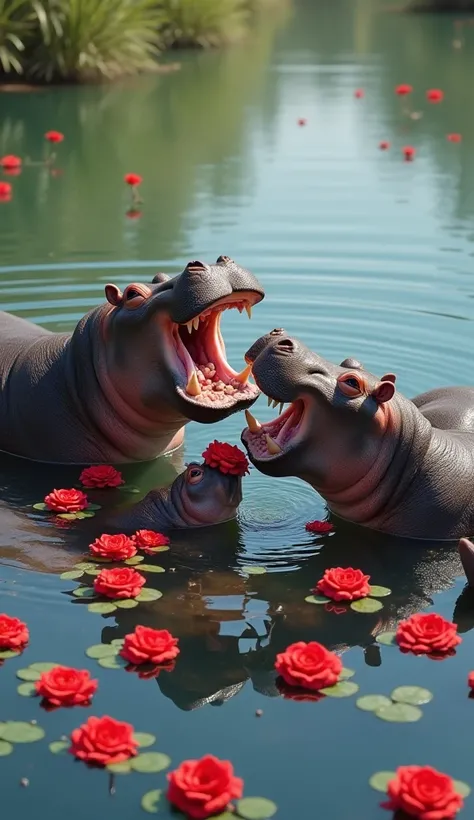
(361, 255)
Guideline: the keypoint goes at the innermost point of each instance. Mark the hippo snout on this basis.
(263, 342)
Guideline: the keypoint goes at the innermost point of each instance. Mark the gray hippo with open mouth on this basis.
(373, 454)
(135, 370)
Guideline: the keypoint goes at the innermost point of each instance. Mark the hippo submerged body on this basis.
(399, 466)
(132, 374)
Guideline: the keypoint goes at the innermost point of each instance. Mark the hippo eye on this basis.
(195, 475)
(351, 385)
(132, 293)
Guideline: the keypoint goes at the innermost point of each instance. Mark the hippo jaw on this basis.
(269, 445)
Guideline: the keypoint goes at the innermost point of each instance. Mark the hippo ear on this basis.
(383, 392)
(223, 260)
(389, 377)
(113, 295)
(160, 278)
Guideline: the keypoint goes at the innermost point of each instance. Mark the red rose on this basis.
(344, 584)
(103, 740)
(427, 633)
(133, 213)
(302, 121)
(63, 686)
(113, 547)
(308, 665)
(470, 680)
(384, 145)
(5, 192)
(359, 93)
(454, 137)
(146, 540)
(54, 136)
(403, 89)
(423, 792)
(65, 501)
(122, 582)
(147, 645)
(200, 788)
(14, 633)
(101, 476)
(320, 527)
(408, 152)
(133, 179)
(10, 161)
(226, 458)
(434, 95)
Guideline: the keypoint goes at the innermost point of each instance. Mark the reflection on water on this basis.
(361, 255)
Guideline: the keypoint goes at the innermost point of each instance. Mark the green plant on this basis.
(203, 23)
(16, 25)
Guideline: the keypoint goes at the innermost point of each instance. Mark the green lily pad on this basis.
(67, 516)
(40, 506)
(255, 808)
(118, 642)
(135, 559)
(128, 488)
(144, 739)
(399, 713)
(120, 768)
(346, 673)
(461, 788)
(386, 638)
(71, 575)
(85, 565)
(226, 815)
(151, 568)
(150, 801)
(254, 570)
(18, 731)
(9, 653)
(101, 650)
(43, 666)
(5, 748)
(317, 599)
(115, 662)
(343, 689)
(102, 608)
(84, 592)
(415, 695)
(150, 762)
(369, 703)
(85, 514)
(93, 571)
(58, 747)
(379, 592)
(164, 548)
(28, 674)
(28, 690)
(93, 507)
(380, 780)
(149, 594)
(366, 605)
(126, 603)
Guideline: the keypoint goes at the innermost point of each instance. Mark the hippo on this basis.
(466, 553)
(373, 454)
(135, 370)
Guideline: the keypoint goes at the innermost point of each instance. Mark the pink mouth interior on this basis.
(283, 430)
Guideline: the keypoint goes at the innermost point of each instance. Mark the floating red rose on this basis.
(146, 540)
(122, 582)
(359, 93)
(424, 793)
(14, 633)
(454, 137)
(344, 584)
(302, 121)
(427, 633)
(227, 458)
(10, 162)
(5, 192)
(308, 665)
(384, 145)
(409, 152)
(103, 740)
(403, 89)
(133, 213)
(54, 136)
(64, 686)
(101, 476)
(147, 645)
(434, 95)
(66, 501)
(470, 680)
(113, 547)
(201, 788)
(133, 179)
(319, 527)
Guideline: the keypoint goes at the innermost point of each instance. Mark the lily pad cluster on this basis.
(144, 762)
(18, 731)
(248, 808)
(30, 674)
(365, 605)
(101, 605)
(107, 655)
(401, 707)
(87, 512)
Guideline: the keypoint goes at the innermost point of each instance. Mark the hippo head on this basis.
(203, 496)
(163, 344)
(330, 434)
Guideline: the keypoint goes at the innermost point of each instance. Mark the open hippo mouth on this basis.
(271, 441)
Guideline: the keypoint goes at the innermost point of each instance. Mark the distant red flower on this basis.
(133, 213)
(103, 740)
(454, 137)
(10, 162)
(403, 89)
(101, 475)
(121, 582)
(319, 527)
(309, 665)
(147, 645)
(470, 680)
(409, 152)
(5, 192)
(64, 686)
(384, 145)
(133, 179)
(148, 540)
(359, 92)
(113, 547)
(427, 633)
(54, 136)
(66, 501)
(302, 121)
(424, 793)
(14, 633)
(344, 584)
(226, 458)
(435, 95)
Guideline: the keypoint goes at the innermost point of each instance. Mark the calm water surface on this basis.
(361, 255)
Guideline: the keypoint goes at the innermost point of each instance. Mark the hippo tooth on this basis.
(275, 403)
(243, 376)
(193, 388)
(282, 404)
(196, 322)
(189, 325)
(269, 400)
(248, 308)
(240, 308)
(272, 447)
(252, 423)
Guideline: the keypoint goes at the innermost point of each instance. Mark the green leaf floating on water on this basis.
(343, 689)
(84, 592)
(40, 506)
(118, 642)
(366, 605)
(43, 666)
(254, 570)
(93, 507)
(28, 690)
(317, 599)
(369, 703)
(150, 762)
(399, 713)
(120, 768)
(149, 594)
(101, 650)
(126, 603)
(28, 674)
(5, 748)
(414, 695)
(17, 731)
(379, 592)
(102, 608)
(9, 653)
(164, 548)
(58, 747)
(67, 516)
(151, 568)
(85, 565)
(135, 559)
(226, 815)
(128, 488)
(144, 739)
(150, 801)
(71, 575)
(386, 638)
(346, 673)
(255, 808)
(115, 662)
(380, 780)
(461, 788)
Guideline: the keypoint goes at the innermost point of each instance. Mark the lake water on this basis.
(361, 254)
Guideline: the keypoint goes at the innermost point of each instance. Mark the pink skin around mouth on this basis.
(284, 431)
(202, 351)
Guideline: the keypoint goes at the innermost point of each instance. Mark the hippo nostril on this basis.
(277, 331)
(196, 265)
(286, 344)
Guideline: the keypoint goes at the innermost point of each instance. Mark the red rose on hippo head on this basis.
(14, 633)
(344, 584)
(227, 458)
(121, 582)
(66, 501)
(427, 633)
(308, 665)
(113, 547)
(201, 788)
(64, 686)
(103, 740)
(101, 476)
(147, 645)
(423, 792)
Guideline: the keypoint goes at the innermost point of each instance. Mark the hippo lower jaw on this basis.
(272, 441)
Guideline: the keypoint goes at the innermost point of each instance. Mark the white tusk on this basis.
(248, 308)
(193, 388)
(243, 376)
(196, 322)
(272, 447)
(189, 325)
(252, 423)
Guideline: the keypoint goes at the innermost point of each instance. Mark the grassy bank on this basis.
(89, 40)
